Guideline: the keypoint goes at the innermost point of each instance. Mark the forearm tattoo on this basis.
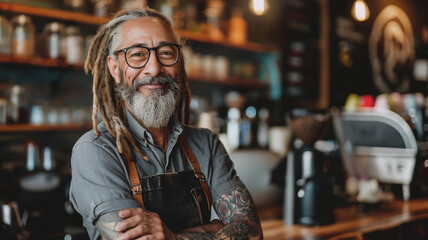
(238, 212)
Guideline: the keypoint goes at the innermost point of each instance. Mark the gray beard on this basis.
(155, 110)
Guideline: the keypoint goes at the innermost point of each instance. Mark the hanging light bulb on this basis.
(259, 7)
(360, 10)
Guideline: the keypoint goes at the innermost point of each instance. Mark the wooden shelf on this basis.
(9, 128)
(78, 17)
(52, 13)
(206, 38)
(37, 61)
(63, 15)
(231, 81)
(46, 62)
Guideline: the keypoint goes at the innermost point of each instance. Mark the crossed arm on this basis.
(235, 209)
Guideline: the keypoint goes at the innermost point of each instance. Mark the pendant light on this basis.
(360, 11)
(259, 7)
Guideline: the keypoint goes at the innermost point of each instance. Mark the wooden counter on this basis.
(392, 220)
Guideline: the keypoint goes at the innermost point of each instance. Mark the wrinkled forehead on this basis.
(147, 30)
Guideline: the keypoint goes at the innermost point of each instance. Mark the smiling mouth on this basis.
(153, 86)
(150, 85)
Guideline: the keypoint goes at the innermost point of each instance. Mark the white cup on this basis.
(279, 140)
(37, 115)
(206, 120)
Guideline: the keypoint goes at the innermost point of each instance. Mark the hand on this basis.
(142, 224)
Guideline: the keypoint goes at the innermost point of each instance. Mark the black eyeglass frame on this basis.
(124, 50)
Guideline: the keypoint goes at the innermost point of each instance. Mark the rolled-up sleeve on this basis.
(99, 181)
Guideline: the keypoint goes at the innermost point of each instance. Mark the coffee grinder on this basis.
(308, 190)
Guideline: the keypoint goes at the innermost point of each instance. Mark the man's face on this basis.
(148, 32)
(151, 91)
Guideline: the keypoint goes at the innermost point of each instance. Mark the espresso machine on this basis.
(308, 189)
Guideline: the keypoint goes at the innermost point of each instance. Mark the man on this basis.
(141, 90)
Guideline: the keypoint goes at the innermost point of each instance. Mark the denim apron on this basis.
(182, 199)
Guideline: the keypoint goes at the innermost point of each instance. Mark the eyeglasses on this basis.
(138, 56)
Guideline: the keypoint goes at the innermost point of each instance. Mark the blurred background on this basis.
(321, 104)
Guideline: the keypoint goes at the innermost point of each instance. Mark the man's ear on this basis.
(113, 66)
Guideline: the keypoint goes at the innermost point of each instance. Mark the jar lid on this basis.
(54, 27)
(22, 19)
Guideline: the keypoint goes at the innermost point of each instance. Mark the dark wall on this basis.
(351, 69)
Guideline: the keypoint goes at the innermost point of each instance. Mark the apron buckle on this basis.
(136, 189)
(200, 176)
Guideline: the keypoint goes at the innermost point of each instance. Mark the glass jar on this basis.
(5, 36)
(17, 109)
(75, 5)
(23, 36)
(54, 34)
(74, 45)
(104, 7)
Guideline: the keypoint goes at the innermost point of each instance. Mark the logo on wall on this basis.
(391, 50)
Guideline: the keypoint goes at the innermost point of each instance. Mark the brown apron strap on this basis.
(196, 168)
(134, 179)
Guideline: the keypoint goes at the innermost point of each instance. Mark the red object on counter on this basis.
(367, 101)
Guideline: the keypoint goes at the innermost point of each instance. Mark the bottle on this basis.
(5, 36)
(263, 128)
(191, 17)
(74, 43)
(17, 109)
(48, 161)
(247, 127)
(54, 33)
(214, 12)
(33, 157)
(234, 116)
(103, 8)
(168, 7)
(237, 28)
(23, 36)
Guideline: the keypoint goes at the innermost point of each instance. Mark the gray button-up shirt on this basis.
(100, 181)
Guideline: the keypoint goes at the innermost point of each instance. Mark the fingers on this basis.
(126, 213)
(141, 224)
(137, 232)
(132, 222)
(132, 217)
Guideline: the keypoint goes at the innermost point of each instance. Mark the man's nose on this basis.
(153, 67)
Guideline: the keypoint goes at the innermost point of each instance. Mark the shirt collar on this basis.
(141, 134)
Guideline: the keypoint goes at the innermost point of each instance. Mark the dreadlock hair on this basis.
(105, 97)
